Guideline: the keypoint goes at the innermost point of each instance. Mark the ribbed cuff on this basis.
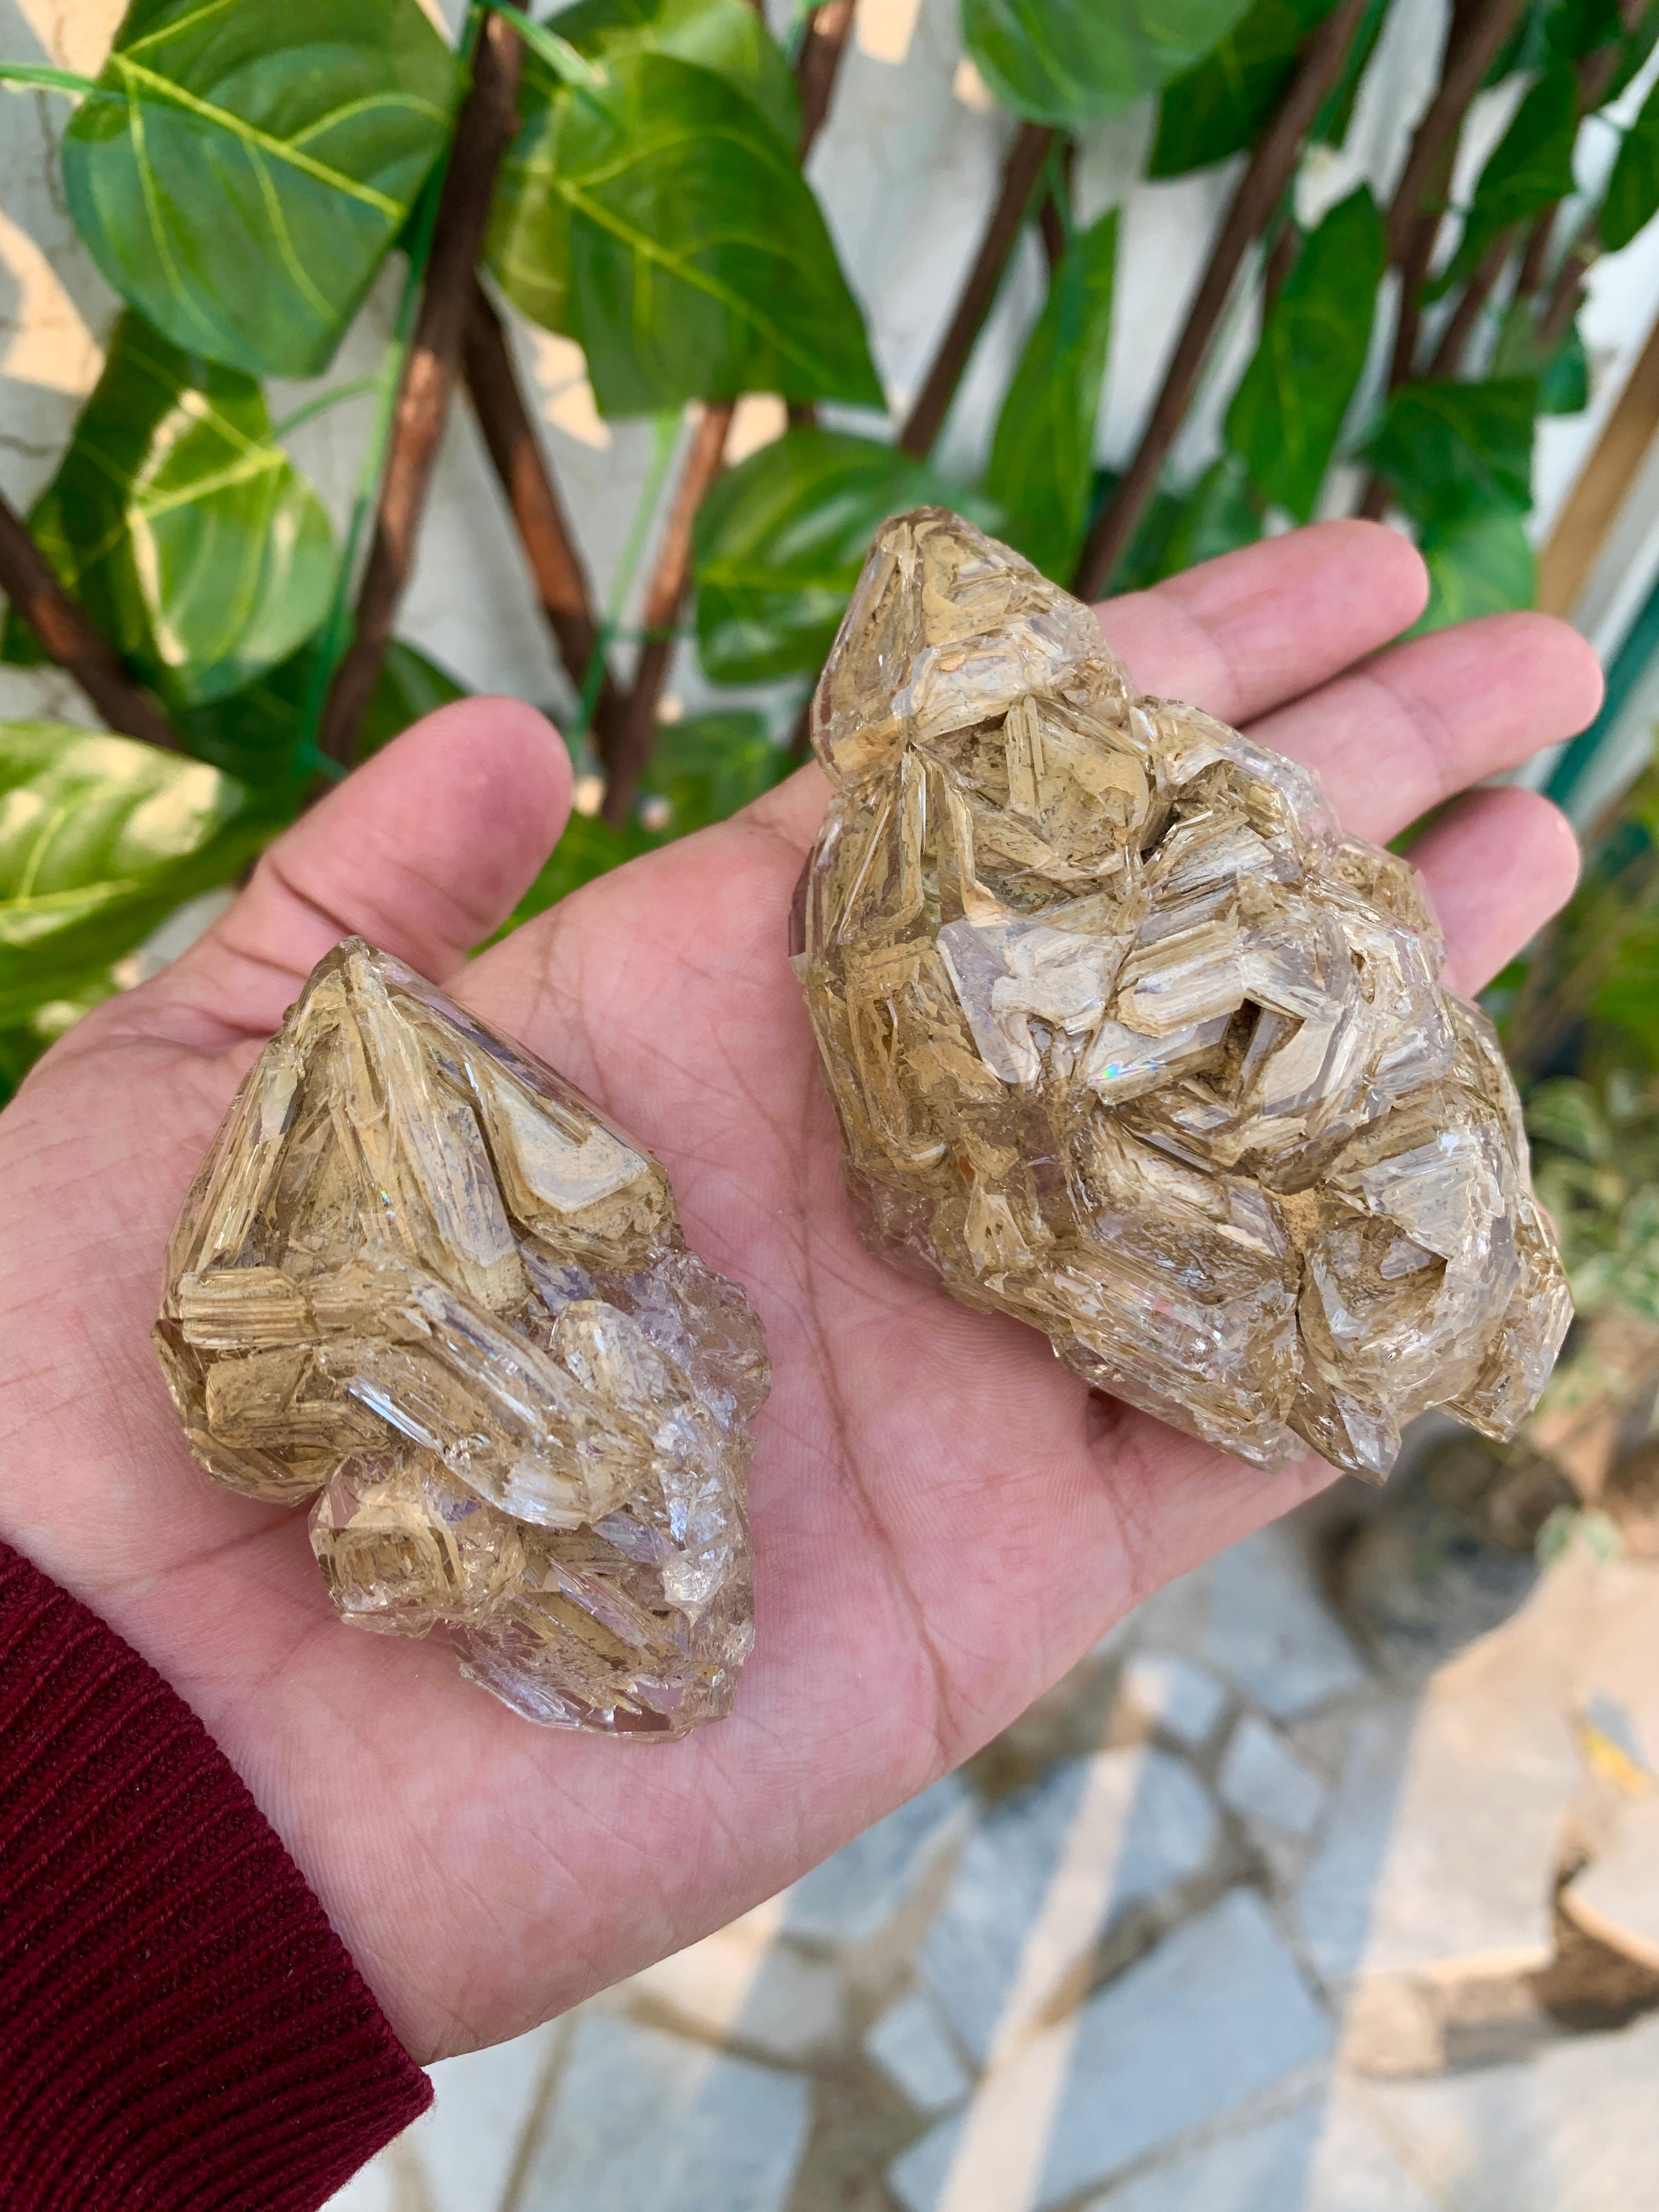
(180, 2029)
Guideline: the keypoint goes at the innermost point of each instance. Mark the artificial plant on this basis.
(629, 173)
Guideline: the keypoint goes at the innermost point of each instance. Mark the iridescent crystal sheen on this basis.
(420, 1274)
(1127, 1040)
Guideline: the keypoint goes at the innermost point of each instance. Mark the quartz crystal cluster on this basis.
(1128, 1040)
(420, 1275)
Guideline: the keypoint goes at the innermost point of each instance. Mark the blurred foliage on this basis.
(1217, 108)
(180, 524)
(243, 174)
(1596, 1168)
(242, 171)
(1072, 62)
(1288, 411)
(1043, 453)
(1589, 996)
(701, 770)
(1529, 169)
(100, 837)
(663, 222)
(779, 543)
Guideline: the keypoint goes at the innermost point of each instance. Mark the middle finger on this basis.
(1424, 720)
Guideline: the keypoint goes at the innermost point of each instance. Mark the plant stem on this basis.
(1448, 355)
(324, 400)
(1535, 257)
(1020, 172)
(1418, 203)
(1055, 218)
(637, 728)
(36, 76)
(370, 469)
(485, 127)
(67, 636)
(1272, 166)
(1415, 213)
(1566, 295)
(1282, 257)
(1471, 49)
(818, 65)
(521, 463)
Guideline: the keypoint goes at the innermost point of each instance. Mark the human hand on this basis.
(943, 1518)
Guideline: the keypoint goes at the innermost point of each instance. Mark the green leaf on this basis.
(666, 225)
(779, 542)
(1567, 1113)
(1073, 61)
(1288, 410)
(257, 733)
(589, 848)
(1572, 30)
(1331, 125)
(726, 36)
(701, 771)
(705, 769)
(1043, 456)
(1217, 109)
(557, 50)
(1448, 449)
(1217, 515)
(100, 837)
(243, 167)
(193, 543)
(1563, 378)
(1479, 562)
(1634, 48)
(1632, 196)
(1529, 169)
(21, 1044)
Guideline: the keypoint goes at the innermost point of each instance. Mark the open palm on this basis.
(943, 1518)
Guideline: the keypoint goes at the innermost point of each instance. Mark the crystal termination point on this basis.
(1127, 1040)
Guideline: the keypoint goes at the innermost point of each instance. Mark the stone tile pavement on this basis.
(1227, 1922)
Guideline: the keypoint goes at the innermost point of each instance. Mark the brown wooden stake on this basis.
(1271, 168)
(636, 728)
(1418, 205)
(1535, 259)
(818, 65)
(1471, 49)
(1051, 228)
(485, 127)
(1566, 295)
(1020, 172)
(1051, 216)
(1285, 253)
(1603, 485)
(67, 636)
(521, 463)
(1479, 29)
(1448, 356)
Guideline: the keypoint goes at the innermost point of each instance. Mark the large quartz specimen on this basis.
(1125, 1039)
(420, 1274)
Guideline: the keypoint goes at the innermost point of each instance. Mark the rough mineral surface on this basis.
(1127, 1039)
(419, 1273)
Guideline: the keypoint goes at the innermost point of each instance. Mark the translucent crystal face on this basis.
(1128, 1041)
(419, 1273)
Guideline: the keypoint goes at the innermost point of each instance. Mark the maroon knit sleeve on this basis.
(180, 2029)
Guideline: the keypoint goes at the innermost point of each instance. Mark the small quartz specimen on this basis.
(1128, 1040)
(419, 1274)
